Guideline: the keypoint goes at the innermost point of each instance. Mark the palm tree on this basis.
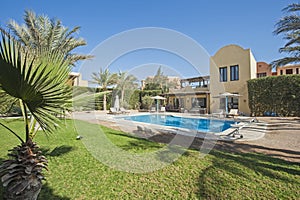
(289, 26)
(104, 79)
(40, 32)
(125, 82)
(39, 86)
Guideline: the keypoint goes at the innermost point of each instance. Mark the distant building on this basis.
(288, 69)
(263, 70)
(75, 79)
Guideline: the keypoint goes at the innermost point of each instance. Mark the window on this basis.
(223, 74)
(281, 72)
(289, 71)
(234, 73)
(297, 70)
(259, 75)
(199, 102)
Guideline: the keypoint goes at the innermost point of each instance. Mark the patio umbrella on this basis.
(117, 103)
(226, 95)
(158, 98)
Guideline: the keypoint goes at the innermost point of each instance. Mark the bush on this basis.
(275, 95)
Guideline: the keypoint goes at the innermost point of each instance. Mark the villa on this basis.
(230, 69)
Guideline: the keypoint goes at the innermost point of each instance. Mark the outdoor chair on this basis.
(220, 113)
(124, 111)
(233, 113)
(152, 109)
(113, 111)
(162, 109)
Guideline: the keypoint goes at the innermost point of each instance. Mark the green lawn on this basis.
(75, 174)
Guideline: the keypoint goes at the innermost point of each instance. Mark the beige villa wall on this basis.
(187, 100)
(225, 57)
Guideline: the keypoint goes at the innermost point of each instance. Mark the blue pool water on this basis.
(199, 124)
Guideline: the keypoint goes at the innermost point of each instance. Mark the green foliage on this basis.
(39, 32)
(39, 84)
(126, 85)
(147, 101)
(152, 86)
(150, 93)
(158, 82)
(134, 101)
(104, 78)
(277, 94)
(289, 26)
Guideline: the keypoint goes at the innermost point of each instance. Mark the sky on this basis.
(211, 24)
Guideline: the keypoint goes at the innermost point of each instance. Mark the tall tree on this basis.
(104, 79)
(40, 87)
(125, 82)
(289, 26)
(158, 82)
(39, 32)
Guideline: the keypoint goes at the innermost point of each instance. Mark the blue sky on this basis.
(213, 24)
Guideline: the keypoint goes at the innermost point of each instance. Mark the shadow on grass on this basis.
(244, 166)
(48, 193)
(57, 151)
(140, 144)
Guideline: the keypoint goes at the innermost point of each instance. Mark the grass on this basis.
(75, 174)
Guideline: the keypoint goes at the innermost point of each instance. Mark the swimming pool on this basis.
(199, 124)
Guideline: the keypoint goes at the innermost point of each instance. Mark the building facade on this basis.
(75, 79)
(230, 69)
(193, 96)
(263, 70)
(289, 69)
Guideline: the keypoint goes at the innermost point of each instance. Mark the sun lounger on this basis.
(162, 109)
(124, 111)
(113, 111)
(218, 114)
(233, 113)
(152, 109)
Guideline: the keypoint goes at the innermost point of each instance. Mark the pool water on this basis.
(199, 124)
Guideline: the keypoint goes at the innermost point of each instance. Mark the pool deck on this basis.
(274, 136)
(250, 132)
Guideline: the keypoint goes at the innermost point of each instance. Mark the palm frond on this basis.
(287, 23)
(40, 32)
(38, 83)
(292, 8)
(285, 61)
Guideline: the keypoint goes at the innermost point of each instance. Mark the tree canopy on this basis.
(289, 27)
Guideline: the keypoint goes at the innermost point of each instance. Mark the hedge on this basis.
(275, 95)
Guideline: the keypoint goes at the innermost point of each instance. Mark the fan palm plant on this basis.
(289, 26)
(104, 79)
(39, 85)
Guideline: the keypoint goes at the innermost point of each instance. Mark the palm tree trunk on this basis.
(104, 102)
(122, 97)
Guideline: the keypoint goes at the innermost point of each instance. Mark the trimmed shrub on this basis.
(275, 95)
